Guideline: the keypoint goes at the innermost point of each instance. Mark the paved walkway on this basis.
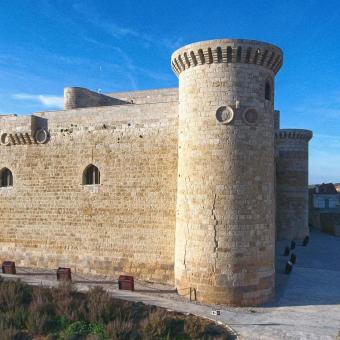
(306, 306)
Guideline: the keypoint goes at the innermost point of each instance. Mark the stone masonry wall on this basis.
(225, 231)
(292, 183)
(124, 225)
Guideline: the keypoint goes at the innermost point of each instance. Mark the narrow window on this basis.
(201, 55)
(239, 54)
(270, 59)
(257, 53)
(193, 58)
(181, 62)
(186, 59)
(91, 175)
(267, 91)
(276, 62)
(210, 56)
(177, 64)
(219, 54)
(229, 54)
(248, 55)
(264, 57)
(6, 178)
(175, 67)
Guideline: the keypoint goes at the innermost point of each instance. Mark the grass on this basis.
(62, 313)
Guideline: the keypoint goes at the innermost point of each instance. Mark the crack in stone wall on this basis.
(215, 231)
(215, 224)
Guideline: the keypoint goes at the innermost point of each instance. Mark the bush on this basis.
(120, 329)
(81, 329)
(64, 302)
(156, 325)
(13, 318)
(100, 308)
(193, 327)
(41, 312)
(76, 329)
(14, 294)
(62, 313)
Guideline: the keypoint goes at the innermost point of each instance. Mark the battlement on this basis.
(227, 51)
(295, 134)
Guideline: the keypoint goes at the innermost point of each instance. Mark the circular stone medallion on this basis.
(225, 114)
(250, 116)
(4, 139)
(41, 136)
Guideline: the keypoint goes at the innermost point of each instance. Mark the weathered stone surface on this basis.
(292, 183)
(225, 231)
(125, 224)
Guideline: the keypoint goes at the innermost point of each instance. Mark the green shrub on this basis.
(77, 329)
(82, 330)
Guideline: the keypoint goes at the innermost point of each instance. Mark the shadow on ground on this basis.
(315, 278)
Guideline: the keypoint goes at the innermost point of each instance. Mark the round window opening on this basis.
(251, 116)
(224, 114)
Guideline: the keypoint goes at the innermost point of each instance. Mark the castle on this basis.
(189, 186)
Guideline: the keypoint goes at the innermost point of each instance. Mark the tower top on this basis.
(297, 135)
(227, 51)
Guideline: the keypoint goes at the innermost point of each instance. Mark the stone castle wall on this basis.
(187, 190)
(125, 224)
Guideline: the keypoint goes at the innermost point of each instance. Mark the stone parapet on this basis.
(293, 136)
(227, 51)
(78, 97)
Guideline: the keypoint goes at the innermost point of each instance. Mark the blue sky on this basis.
(46, 45)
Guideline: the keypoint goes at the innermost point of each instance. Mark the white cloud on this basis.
(46, 100)
(89, 13)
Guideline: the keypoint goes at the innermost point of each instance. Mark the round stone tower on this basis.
(225, 233)
(292, 183)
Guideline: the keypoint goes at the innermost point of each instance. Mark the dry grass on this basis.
(62, 313)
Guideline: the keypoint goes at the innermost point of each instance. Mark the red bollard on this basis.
(8, 267)
(126, 282)
(64, 274)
